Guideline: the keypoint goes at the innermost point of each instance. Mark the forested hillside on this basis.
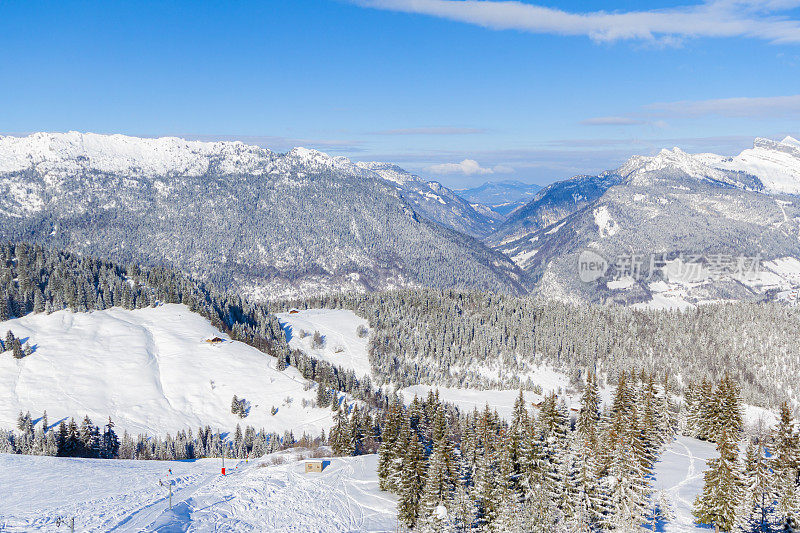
(478, 340)
(245, 218)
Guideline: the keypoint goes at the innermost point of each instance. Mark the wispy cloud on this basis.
(432, 131)
(751, 107)
(468, 167)
(757, 19)
(611, 121)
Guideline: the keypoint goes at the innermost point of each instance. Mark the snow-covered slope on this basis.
(103, 495)
(775, 163)
(65, 153)
(679, 475)
(339, 329)
(151, 371)
(436, 201)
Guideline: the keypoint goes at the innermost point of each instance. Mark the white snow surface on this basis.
(117, 495)
(606, 225)
(151, 371)
(679, 473)
(776, 164)
(53, 152)
(501, 400)
(343, 347)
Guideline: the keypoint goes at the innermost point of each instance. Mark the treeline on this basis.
(552, 470)
(70, 439)
(481, 340)
(34, 279)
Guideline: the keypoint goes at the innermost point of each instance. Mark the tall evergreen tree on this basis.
(722, 494)
(412, 479)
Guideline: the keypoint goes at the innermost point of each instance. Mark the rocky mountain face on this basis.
(268, 224)
(672, 229)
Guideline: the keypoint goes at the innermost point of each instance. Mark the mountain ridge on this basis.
(672, 202)
(269, 224)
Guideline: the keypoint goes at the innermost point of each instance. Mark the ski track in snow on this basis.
(679, 473)
(255, 495)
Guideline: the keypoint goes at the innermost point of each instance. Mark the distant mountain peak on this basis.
(791, 141)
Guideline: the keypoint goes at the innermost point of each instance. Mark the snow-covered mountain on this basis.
(704, 206)
(243, 216)
(437, 202)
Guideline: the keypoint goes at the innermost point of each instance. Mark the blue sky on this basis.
(460, 91)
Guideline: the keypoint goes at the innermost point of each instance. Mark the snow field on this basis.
(151, 371)
(119, 495)
(343, 347)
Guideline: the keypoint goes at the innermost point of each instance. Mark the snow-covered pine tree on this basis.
(484, 486)
(756, 512)
(386, 452)
(730, 410)
(721, 496)
(109, 449)
(10, 338)
(786, 466)
(412, 479)
(505, 495)
(690, 410)
(649, 434)
(589, 415)
(340, 438)
(627, 487)
(588, 505)
(463, 510)
(667, 417)
(517, 433)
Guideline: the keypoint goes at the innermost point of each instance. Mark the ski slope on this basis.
(118, 495)
(151, 371)
(342, 346)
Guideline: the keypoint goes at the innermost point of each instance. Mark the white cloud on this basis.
(758, 19)
(468, 167)
(752, 107)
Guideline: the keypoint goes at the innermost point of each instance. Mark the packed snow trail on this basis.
(679, 473)
(119, 495)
